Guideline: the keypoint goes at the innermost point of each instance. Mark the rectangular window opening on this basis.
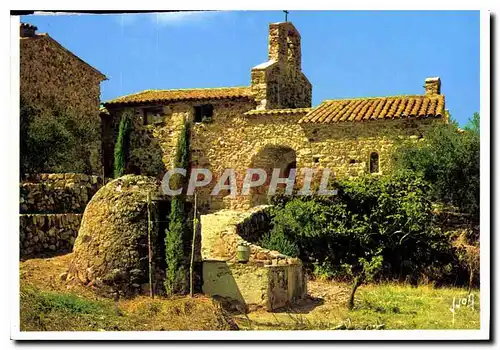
(152, 115)
(203, 113)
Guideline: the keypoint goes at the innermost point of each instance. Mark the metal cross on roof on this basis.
(286, 15)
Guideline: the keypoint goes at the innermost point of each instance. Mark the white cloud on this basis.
(174, 18)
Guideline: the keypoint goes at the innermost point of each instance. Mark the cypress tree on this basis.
(175, 279)
(122, 144)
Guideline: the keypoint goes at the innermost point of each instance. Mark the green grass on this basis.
(57, 311)
(406, 307)
(50, 311)
(377, 306)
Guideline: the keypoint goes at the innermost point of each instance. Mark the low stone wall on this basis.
(64, 179)
(50, 207)
(47, 233)
(251, 286)
(223, 231)
(269, 279)
(57, 193)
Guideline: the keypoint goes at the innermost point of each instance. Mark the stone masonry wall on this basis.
(57, 193)
(153, 147)
(51, 75)
(223, 231)
(50, 211)
(47, 233)
(235, 140)
(343, 147)
(280, 82)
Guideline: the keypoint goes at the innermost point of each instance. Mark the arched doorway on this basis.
(269, 158)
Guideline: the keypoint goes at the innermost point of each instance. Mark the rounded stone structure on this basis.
(111, 250)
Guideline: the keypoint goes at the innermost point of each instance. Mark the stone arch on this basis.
(268, 158)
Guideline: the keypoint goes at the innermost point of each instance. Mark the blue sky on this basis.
(344, 53)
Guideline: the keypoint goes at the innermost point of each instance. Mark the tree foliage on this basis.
(178, 229)
(448, 159)
(389, 217)
(55, 139)
(122, 144)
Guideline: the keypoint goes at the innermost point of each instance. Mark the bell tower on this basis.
(280, 82)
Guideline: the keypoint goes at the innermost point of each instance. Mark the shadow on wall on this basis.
(243, 287)
(145, 154)
(269, 158)
(220, 282)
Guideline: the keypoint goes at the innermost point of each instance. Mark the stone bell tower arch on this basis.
(279, 82)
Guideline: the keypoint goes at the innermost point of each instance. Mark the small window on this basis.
(374, 163)
(153, 115)
(203, 113)
(316, 159)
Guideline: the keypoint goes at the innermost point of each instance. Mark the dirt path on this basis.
(324, 308)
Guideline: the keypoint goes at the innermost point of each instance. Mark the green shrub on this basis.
(388, 216)
(122, 144)
(448, 159)
(279, 242)
(54, 139)
(178, 229)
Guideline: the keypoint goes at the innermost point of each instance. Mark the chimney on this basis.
(27, 30)
(432, 86)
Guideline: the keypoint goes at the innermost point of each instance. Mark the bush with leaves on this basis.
(389, 216)
(54, 139)
(122, 144)
(448, 159)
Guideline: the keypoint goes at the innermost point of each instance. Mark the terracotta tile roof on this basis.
(279, 111)
(183, 94)
(376, 108)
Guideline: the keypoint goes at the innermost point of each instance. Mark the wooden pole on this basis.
(191, 266)
(150, 260)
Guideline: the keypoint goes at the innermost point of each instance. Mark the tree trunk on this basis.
(357, 282)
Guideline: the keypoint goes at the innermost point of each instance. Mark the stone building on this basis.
(269, 124)
(51, 76)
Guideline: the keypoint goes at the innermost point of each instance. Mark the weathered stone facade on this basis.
(52, 76)
(271, 124)
(47, 234)
(57, 193)
(50, 211)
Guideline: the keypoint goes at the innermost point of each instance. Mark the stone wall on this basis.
(49, 234)
(50, 211)
(279, 82)
(51, 76)
(265, 132)
(269, 279)
(57, 193)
